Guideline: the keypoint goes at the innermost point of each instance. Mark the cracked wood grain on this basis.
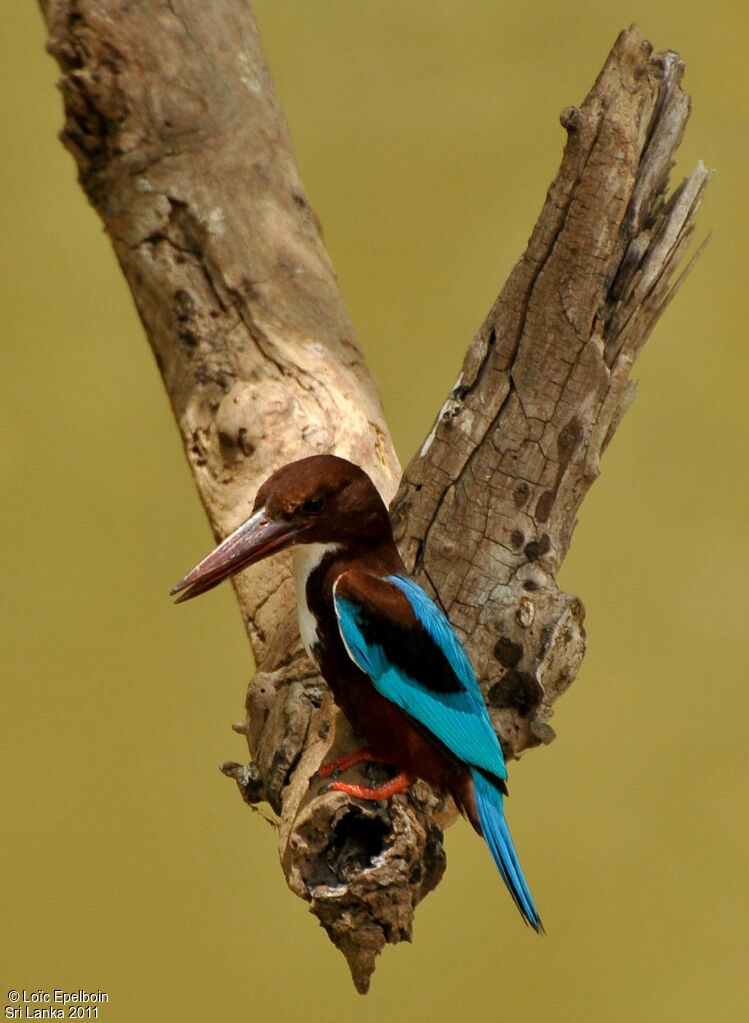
(485, 512)
(182, 149)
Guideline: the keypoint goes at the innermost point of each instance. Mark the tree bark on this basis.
(182, 149)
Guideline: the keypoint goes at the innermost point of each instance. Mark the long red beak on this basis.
(252, 541)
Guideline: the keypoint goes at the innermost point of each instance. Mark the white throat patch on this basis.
(305, 559)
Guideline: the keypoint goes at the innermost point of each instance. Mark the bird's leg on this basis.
(342, 763)
(384, 791)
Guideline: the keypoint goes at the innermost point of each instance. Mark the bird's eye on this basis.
(313, 505)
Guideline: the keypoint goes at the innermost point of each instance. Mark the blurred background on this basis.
(427, 133)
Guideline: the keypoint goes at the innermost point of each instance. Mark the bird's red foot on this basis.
(348, 760)
(384, 791)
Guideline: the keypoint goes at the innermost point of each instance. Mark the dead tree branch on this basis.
(182, 149)
(485, 513)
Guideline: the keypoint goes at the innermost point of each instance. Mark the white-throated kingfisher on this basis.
(395, 667)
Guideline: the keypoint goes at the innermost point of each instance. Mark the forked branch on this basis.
(181, 147)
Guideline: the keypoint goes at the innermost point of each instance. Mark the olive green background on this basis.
(427, 133)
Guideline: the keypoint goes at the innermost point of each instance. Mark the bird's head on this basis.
(320, 499)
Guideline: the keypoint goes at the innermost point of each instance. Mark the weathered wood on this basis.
(182, 149)
(486, 510)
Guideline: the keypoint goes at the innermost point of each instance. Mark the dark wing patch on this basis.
(410, 648)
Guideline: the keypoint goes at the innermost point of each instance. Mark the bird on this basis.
(393, 662)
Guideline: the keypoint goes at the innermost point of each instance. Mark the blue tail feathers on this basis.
(489, 805)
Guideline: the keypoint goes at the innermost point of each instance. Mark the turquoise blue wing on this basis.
(398, 636)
